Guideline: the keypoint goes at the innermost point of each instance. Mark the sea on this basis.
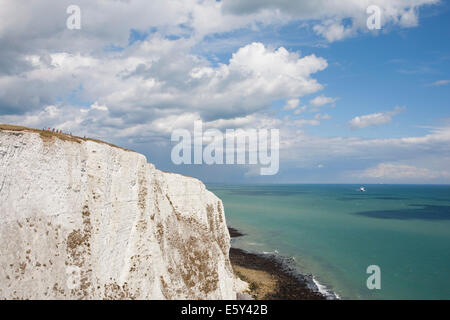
(337, 232)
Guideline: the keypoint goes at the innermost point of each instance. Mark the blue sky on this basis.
(371, 72)
(366, 106)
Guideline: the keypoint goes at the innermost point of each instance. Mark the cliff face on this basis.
(85, 220)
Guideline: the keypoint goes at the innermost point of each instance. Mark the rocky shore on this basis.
(269, 278)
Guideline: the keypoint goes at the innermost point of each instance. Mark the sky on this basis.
(353, 105)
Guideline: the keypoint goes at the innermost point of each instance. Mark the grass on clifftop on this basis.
(49, 135)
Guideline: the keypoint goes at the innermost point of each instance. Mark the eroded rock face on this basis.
(85, 220)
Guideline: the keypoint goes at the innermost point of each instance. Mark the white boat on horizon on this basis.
(362, 189)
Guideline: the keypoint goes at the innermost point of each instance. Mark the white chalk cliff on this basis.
(85, 220)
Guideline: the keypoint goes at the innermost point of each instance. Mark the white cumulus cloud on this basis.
(322, 100)
(291, 104)
(156, 79)
(374, 119)
(330, 16)
(394, 171)
(439, 83)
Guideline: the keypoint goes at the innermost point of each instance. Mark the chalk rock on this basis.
(82, 219)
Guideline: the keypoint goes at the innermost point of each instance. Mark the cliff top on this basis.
(46, 135)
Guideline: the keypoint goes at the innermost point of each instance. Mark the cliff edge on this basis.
(81, 219)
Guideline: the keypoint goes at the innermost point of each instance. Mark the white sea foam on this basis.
(324, 290)
(255, 244)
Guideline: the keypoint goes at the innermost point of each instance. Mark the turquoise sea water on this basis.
(335, 232)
